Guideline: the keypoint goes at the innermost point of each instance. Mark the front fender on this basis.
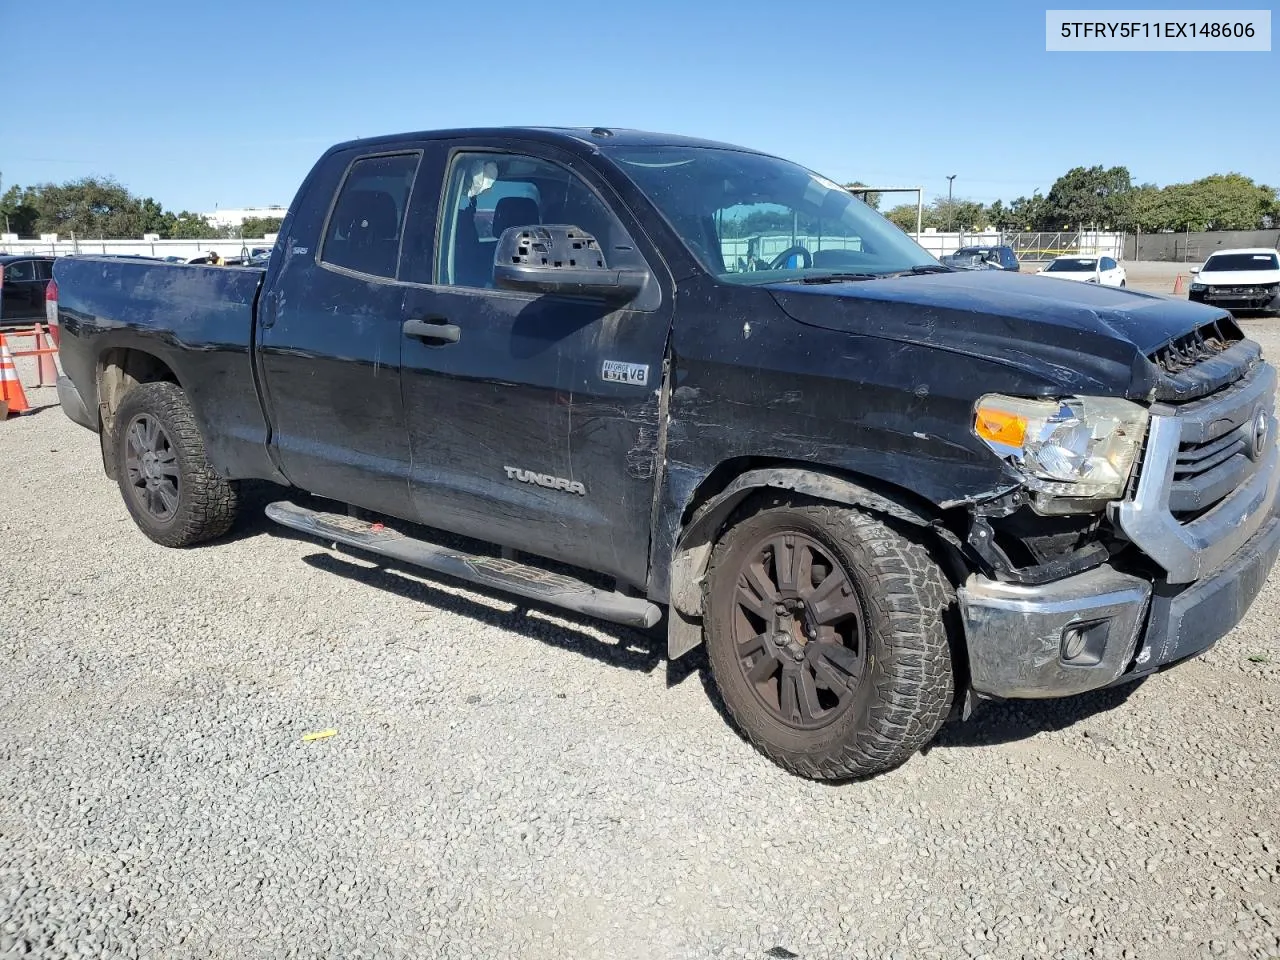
(692, 552)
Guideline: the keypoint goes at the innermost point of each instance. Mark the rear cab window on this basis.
(365, 226)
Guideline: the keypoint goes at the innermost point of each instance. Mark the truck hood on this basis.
(1068, 335)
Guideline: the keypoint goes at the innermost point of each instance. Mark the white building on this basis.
(230, 217)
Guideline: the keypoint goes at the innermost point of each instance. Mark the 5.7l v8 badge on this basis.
(618, 371)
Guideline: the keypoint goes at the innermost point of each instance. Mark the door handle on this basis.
(432, 330)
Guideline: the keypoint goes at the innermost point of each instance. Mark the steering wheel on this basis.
(777, 262)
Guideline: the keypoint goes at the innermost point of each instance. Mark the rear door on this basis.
(533, 420)
(329, 347)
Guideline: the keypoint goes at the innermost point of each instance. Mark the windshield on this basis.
(1222, 262)
(1072, 265)
(756, 219)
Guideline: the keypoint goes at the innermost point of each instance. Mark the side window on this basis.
(20, 271)
(1108, 263)
(44, 270)
(364, 228)
(487, 193)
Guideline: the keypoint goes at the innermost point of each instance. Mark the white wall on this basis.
(1047, 245)
(147, 248)
(233, 217)
(938, 244)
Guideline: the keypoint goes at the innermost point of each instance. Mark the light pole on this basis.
(950, 180)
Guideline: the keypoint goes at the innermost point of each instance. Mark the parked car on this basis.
(23, 279)
(1242, 281)
(878, 489)
(983, 258)
(1104, 271)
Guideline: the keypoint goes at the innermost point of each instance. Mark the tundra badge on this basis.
(546, 480)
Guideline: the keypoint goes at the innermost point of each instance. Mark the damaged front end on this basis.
(1047, 611)
(1133, 540)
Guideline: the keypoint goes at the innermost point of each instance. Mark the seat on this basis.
(367, 226)
(514, 212)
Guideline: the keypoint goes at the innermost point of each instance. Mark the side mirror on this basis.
(1194, 271)
(560, 259)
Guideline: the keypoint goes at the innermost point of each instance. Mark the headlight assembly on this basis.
(1077, 448)
(1197, 287)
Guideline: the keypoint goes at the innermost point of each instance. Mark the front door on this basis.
(533, 420)
(331, 341)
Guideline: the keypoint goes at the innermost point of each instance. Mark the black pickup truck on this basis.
(651, 375)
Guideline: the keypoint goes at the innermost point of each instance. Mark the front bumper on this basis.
(1241, 299)
(1103, 626)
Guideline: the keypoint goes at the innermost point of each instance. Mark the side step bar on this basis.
(500, 574)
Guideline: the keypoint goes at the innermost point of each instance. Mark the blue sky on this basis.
(229, 103)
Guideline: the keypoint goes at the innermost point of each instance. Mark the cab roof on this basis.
(592, 137)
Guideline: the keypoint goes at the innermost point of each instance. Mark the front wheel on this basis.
(168, 485)
(826, 633)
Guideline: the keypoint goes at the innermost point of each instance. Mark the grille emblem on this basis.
(1261, 430)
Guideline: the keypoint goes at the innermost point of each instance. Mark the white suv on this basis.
(1239, 280)
(1087, 269)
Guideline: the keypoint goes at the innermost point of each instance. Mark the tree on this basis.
(191, 226)
(256, 227)
(17, 213)
(1088, 197)
(904, 215)
(88, 207)
(1231, 201)
(1000, 216)
(1030, 213)
(872, 200)
(961, 214)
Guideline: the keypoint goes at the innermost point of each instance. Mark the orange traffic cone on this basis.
(1177, 284)
(46, 367)
(10, 386)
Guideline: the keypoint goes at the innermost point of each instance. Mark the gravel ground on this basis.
(512, 783)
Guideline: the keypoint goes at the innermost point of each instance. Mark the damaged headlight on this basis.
(1081, 448)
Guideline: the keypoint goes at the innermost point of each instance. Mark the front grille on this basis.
(1204, 473)
(1217, 452)
(1251, 293)
(1209, 473)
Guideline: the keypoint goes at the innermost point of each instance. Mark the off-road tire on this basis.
(207, 503)
(907, 689)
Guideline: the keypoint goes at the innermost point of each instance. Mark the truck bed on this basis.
(198, 321)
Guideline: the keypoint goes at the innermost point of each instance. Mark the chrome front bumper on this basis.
(1019, 637)
(1104, 626)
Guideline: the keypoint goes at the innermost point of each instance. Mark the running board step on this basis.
(500, 574)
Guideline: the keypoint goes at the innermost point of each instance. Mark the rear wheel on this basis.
(168, 485)
(826, 634)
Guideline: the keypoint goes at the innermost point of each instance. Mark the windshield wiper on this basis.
(927, 268)
(839, 277)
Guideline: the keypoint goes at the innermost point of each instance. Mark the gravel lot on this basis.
(513, 783)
